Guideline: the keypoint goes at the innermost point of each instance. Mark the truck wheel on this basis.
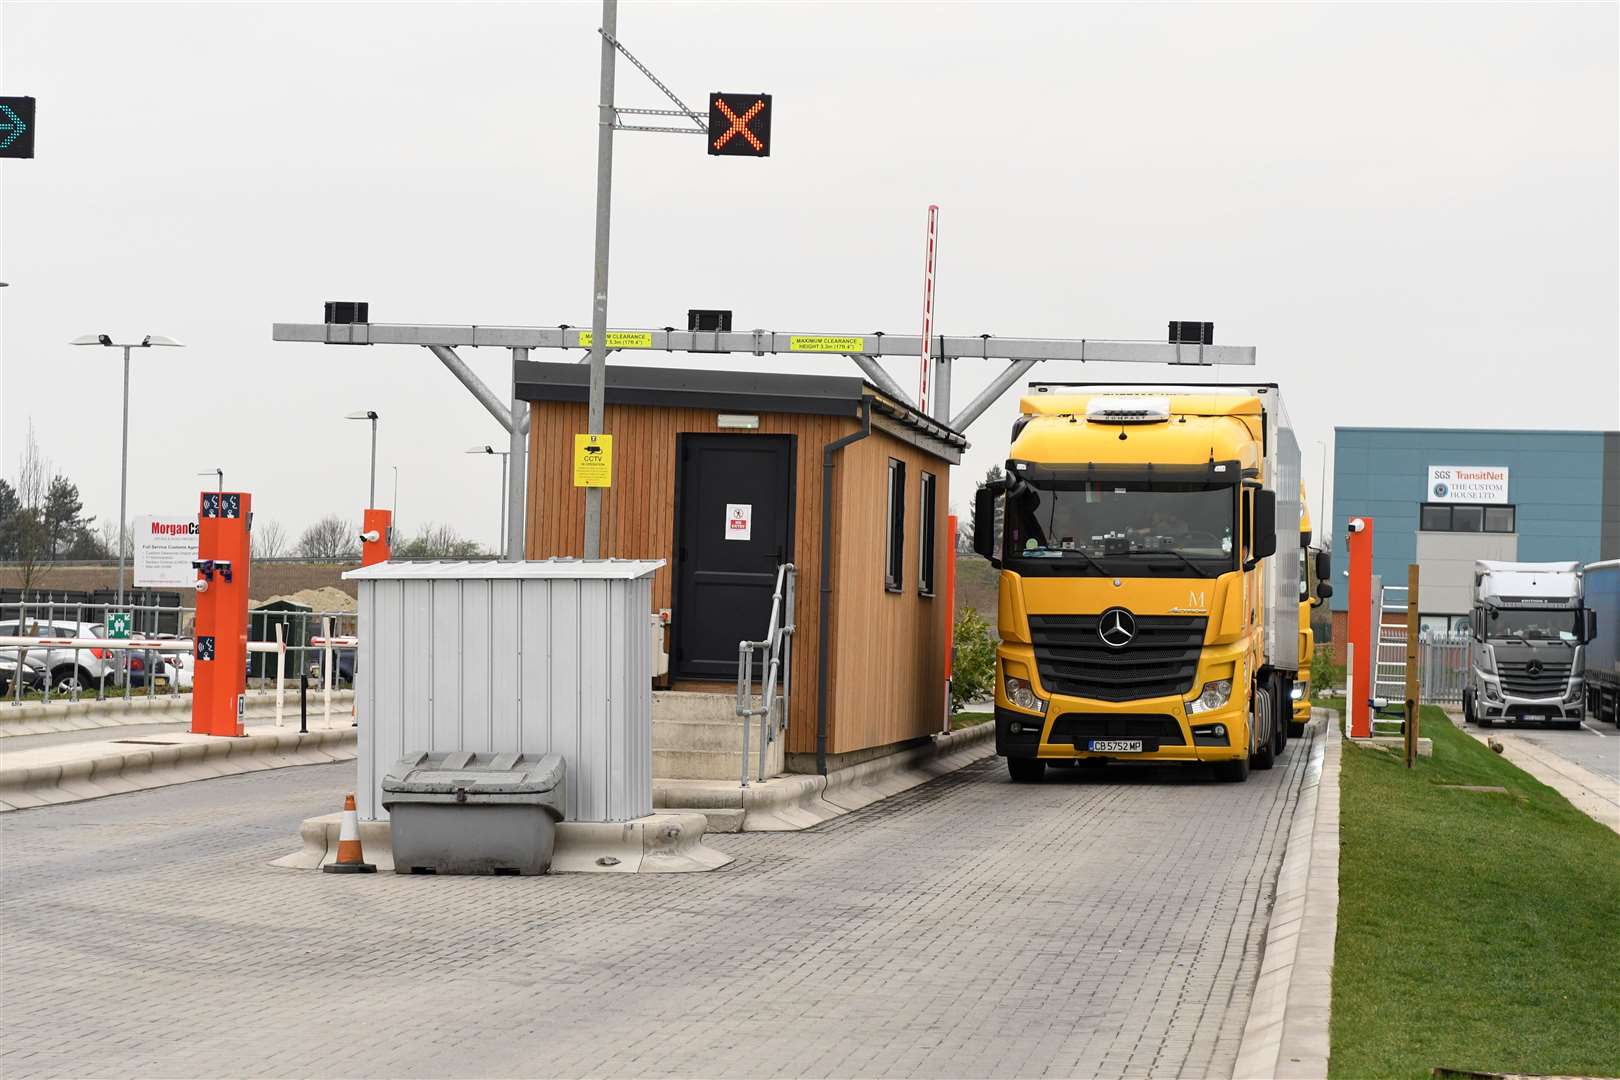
(1296, 729)
(1233, 772)
(1265, 755)
(1026, 770)
(1468, 708)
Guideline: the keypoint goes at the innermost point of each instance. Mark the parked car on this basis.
(179, 667)
(33, 673)
(83, 669)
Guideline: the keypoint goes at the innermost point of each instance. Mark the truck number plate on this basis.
(1115, 746)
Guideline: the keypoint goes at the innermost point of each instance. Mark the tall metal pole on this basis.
(123, 483)
(516, 456)
(371, 501)
(599, 285)
(506, 460)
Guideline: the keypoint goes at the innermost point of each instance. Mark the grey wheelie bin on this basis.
(474, 813)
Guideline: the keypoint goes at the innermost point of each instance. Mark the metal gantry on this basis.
(865, 349)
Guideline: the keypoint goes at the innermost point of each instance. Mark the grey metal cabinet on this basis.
(549, 656)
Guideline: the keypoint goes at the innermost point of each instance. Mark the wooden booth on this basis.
(721, 474)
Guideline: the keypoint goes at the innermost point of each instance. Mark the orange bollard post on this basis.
(219, 687)
(1360, 540)
(374, 539)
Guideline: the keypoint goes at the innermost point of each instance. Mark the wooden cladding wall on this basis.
(887, 679)
(887, 676)
(638, 511)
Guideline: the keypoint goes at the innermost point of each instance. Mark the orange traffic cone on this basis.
(350, 859)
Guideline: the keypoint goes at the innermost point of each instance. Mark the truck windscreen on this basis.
(1121, 528)
(1533, 625)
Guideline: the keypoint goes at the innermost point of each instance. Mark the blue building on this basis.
(1443, 498)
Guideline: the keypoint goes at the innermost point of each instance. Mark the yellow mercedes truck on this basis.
(1314, 587)
(1148, 543)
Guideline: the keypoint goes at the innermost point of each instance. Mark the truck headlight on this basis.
(1023, 695)
(1492, 692)
(1297, 693)
(1215, 695)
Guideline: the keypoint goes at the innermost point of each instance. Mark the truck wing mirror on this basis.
(1323, 590)
(1263, 544)
(984, 523)
(1324, 568)
(1591, 625)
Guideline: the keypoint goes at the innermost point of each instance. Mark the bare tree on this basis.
(107, 538)
(330, 539)
(29, 531)
(438, 542)
(268, 540)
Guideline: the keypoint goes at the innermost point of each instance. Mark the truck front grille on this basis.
(1160, 660)
(1078, 727)
(1519, 681)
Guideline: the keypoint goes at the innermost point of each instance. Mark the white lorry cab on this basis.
(1527, 656)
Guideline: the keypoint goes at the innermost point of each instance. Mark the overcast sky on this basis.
(1409, 210)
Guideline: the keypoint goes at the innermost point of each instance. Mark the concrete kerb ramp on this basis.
(794, 801)
(660, 844)
(161, 766)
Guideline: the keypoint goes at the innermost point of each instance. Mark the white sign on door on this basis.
(1467, 484)
(739, 521)
(164, 550)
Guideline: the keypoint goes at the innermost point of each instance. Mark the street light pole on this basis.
(369, 414)
(599, 285)
(123, 482)
(505, 456)
(123, 457)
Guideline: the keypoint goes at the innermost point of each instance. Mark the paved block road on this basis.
(1096, 925)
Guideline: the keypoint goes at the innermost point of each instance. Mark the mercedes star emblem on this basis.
(1116, 627)
(1533, 667)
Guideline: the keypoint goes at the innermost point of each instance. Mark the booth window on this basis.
(893, 567)
(1445, 517)
(925, 542)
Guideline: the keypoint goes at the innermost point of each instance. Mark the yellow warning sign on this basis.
(593, 461)
(620, 339)
(827, 344)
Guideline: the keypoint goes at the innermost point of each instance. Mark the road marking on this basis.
(1594, 730)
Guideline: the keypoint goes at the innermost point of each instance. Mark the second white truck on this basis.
(1527, 659)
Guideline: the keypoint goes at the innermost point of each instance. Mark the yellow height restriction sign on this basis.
(827, 344)
(620, 339)
(593, 461)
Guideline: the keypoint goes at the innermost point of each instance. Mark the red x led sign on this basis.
(740, 125)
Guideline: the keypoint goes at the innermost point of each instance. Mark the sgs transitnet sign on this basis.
(164, 550)
(1467, 484)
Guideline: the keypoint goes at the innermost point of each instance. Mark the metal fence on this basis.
(1443, 670)
(78, 673)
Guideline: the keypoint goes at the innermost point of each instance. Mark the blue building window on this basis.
(1445, 517)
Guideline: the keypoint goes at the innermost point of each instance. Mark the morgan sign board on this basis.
(1467, 484)
(164, 550)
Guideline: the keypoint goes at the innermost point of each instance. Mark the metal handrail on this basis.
(778, 646)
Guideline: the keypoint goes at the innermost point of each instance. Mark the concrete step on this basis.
(695, 735)
(682, 706)
(712, 764)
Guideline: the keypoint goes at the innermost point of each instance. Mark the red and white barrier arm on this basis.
(159, 645)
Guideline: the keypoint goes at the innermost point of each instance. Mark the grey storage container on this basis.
(469, 813)
(549, 656)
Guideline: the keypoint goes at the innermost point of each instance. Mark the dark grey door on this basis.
(733, 528)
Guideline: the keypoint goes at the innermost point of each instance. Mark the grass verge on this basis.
(1476, 931)
(970, 719)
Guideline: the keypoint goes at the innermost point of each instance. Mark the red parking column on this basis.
(219, 687)
(1360, 539)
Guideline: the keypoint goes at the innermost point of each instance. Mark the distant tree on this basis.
(107, 540)
(268, 540)
(10, 505)
(330, 539)
(66, 527)
(438, 542)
